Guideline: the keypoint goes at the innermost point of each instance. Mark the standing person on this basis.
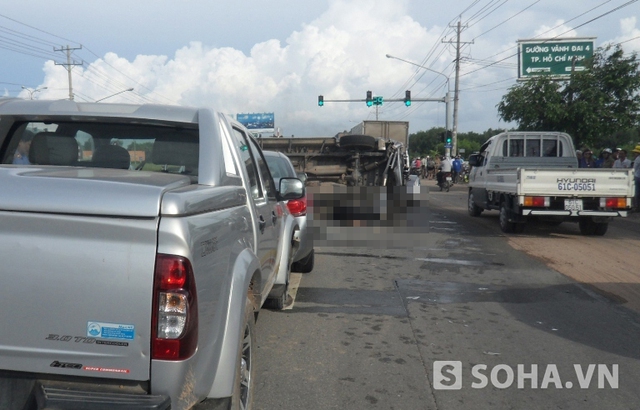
(424, 167)
(636, 176)
(456, 167)
(606, 159)
(622, 161)
(587, 160)
(418, 166)
(579, 156)
(431, 168)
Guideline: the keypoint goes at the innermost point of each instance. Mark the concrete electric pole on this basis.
(69, 65)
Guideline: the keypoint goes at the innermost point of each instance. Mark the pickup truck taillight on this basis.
(175, 309)
(613, 203)
(298, 207)
(537, 201)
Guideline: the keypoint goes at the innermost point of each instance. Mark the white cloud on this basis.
(339, 54)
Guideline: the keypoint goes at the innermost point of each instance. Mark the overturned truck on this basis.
(352, 159)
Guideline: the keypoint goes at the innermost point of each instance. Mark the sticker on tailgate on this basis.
(114, 331)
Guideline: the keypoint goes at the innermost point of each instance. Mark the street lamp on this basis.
(447, 99)
(32, 91)
(113, 95)
(421, 66)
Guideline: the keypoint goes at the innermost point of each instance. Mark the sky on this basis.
(253, 56)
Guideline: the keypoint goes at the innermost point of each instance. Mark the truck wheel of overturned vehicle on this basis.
(363, 142)
(474, 210)
(242, 398)
(305, 265)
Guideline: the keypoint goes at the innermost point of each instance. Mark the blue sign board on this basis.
(258, 121)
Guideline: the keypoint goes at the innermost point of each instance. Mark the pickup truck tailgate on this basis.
(576, 182)
(77, 279)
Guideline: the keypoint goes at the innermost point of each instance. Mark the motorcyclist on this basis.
(445, 168)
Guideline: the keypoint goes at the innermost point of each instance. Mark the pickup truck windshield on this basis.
(154, 147)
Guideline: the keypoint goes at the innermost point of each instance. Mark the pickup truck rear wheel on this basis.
(587, 226)
(305, 265)
(505, 225)
(601, 228)
(474, 210)
(242, 398)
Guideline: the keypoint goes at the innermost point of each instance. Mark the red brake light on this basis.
(536, 201)
(298, 207)
(175, 309)
(616, 203)
(172, 271)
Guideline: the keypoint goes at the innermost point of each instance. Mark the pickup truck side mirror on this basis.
(291, 188)
(475, 160)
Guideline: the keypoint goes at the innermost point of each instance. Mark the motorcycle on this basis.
(447, 181)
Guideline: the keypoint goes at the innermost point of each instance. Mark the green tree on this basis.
(593, 106)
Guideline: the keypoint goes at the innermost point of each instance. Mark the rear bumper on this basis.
(527, 212)
(59, 397)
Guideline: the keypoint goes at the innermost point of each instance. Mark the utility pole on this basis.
(454, 134)
(69, 65)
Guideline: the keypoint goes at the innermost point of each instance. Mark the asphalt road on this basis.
(371, 325)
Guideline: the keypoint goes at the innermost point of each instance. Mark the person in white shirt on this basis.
(622, 161)
(445, 167)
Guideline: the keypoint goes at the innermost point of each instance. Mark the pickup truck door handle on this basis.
(262, 224)
(274, 217)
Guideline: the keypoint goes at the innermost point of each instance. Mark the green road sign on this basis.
(554, 57)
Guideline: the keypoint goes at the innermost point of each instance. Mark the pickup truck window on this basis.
(530, 147)
(152, 147)
(269, 185)
(247, 159)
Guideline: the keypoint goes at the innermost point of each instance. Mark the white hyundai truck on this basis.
(534, 176)
(137, 243)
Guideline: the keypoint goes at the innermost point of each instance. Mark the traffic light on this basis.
(369, 99)
(448, 140)
(407, 98)
(320, 100)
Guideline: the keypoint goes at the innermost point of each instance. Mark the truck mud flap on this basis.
(50, 397)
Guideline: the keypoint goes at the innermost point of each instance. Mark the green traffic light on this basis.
(369, 103)
(320, 100)
(407, 103)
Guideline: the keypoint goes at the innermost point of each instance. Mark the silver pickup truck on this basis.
(137, 242)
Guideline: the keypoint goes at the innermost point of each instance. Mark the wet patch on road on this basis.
(432, 292)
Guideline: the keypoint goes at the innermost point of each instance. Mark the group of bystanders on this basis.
(614, 159)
